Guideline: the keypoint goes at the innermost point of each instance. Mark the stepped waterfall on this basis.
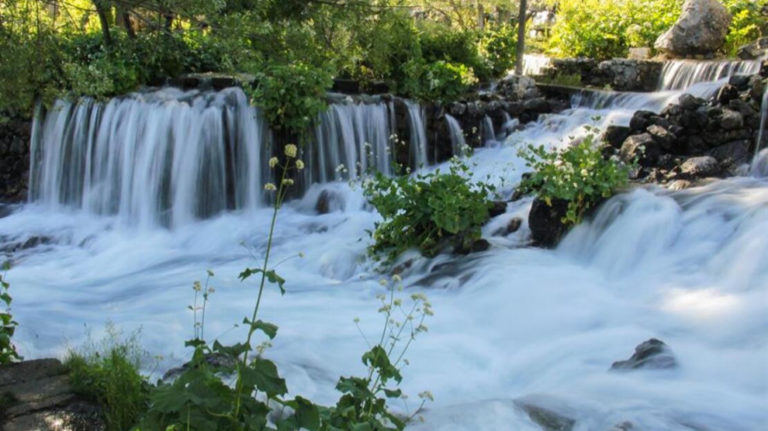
(132, 199)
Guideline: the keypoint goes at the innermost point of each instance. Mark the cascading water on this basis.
(681, 74)
(760, 161)
(513, 325)
(418, 132)
(458, 142)
(534, 64)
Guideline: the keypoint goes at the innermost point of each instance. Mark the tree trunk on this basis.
(102, 9)
(520, 37)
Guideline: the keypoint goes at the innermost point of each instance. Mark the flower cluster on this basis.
(291, 152)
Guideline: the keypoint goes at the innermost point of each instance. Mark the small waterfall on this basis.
(489, 132)
(166, 157)
(534, 64)
(681, 74)
(351, 139)
(760, 160)
(418, 129)
(458, 143)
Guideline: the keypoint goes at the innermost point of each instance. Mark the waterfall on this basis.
(166, 157)
(534, 64)
(680, 74)
(760, 160)
(489, 132)
(418, 130)
(170, 157)
(458, 143)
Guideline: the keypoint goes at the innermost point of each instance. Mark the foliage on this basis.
(578, 174)
(749, 22)
(8, 326)
(109, 376)
(603, 29)
(427, 211)
(292, 95)
(499, 47)
(204, 398)
(440, 80)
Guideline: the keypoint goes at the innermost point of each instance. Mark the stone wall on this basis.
(14, 159)
(619, 74)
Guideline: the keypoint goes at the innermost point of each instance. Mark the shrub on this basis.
(750, 22)
(438, 81)
(109, 376)
(428, 211)
(578, 174)
(499, 47)
(8, 326)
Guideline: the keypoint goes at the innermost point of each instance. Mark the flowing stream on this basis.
(134, 199)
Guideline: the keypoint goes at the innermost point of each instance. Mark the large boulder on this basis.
(701, 29)
(545, 221)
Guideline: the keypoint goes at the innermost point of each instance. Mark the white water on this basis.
(681, 74)
(760, 161)
(515, 322)
(534, 64)
(456, 133)
(418, 134)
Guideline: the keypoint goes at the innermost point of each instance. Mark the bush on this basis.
(578, 174)
(438, 81)
(499, 47)
(428, 211)
(109, 376)
(8, 326)
(603, 29)
(750, 22)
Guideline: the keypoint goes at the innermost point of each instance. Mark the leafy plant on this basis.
(499, 47)
(8, 326)
(440, 80)
(578, 174)
(749, 22)
(428, 211)
(109, 376)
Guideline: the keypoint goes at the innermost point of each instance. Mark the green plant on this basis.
(292, 95)
(440, 80)
(109, 376)
(8, 326)
(499, 47)
(242, 389)
(749, 22)
(428, 211)
(578, 174)
(567, 79)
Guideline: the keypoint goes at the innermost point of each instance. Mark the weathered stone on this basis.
(641, 148)
(662, 136)
(727, 93)
(701, 29)
(547, 419)
(517, 87)
(615, 135)
(689, 102)
(545, 221)
(754, 50)
(730, 120)
(650, 354)
(640, 120)
(731, 154)
(703, 166)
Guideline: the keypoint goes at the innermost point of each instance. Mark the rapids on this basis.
(125, 242)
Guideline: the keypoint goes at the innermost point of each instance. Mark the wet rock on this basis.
(727, 93)
(701, 29)
(732, 154)
(547, 419)
(329, 201)
(457, 109)
(516, 87)
(689, 102)
(545, 221)
(615, 135)
(217, 361)
(497, 208)
(538, 105)
(678, 185)
(480, 245)
(511, 227)
(640, 120)
(641, 148)
(703, 166)
(662, 136)
(37, 396)
(650, 354)
(730, 120)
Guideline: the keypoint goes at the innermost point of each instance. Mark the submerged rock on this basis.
(651, 354)
(545, 222)
(547, 419)
(701, 29)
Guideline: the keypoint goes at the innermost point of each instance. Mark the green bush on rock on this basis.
(577, 174)
(428, 211)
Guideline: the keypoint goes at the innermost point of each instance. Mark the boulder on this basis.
(754, 50)
(545, 222)
(641, 148)
(727, 93)
(615, 135)
(703, 166)
(701, 29)
(517, 87)
(662, 136)
(546, 418)
(731, 120)
(731, 154)
(650, 354)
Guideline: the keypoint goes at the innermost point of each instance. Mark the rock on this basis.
(739, 81)
(538, 105)
(511, 227)
(497, 208)
(457, 109)
(642, 148)
(37, 396)
(688, 102)
(547, 419)
(545, 221)
(701, 29)
(329, 201)
(346, 86)
(730, 120)
(640, 120)
(662, 136)
(678, 185)
(615, 135)
(727, 93)
(650, 354)
(731, 154)
(754, 50)
(517, 87)
(216, 360)
(703, 166)
(480, 245)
